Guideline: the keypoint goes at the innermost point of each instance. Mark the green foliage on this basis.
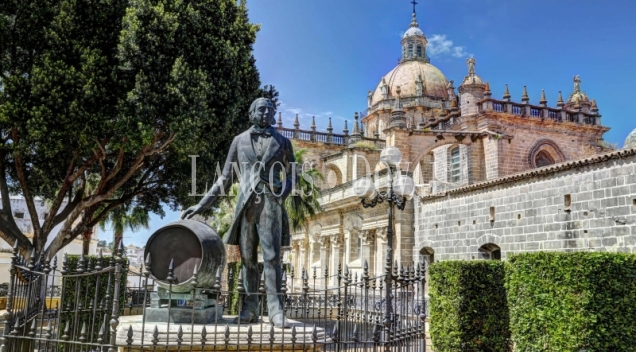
(124, 217)
(572, 301)
(468, 306)
(269, 91)
(87, 287)
(304, 204)
(125, 90)
(232, 287)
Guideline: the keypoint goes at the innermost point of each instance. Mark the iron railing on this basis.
(351, 315)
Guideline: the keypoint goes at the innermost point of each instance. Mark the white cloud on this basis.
(439, 45)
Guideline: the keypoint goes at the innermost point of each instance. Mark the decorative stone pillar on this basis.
(304, 254)
(337, 244)
(324, 254)
(294, 254)
(367, 251)
(381, 247)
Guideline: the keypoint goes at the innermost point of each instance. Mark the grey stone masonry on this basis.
(583, 205)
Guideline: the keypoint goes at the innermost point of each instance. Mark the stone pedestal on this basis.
(220, 335)
(184, 307)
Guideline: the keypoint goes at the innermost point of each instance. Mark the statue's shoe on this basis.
(279, 321)
(246, 317)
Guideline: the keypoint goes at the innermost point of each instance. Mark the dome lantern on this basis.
(414, 42)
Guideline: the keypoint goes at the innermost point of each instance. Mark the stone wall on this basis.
(588, 204)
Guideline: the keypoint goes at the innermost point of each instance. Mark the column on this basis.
(337, 242)
(381, 246)
(368, 240)
(324, 255)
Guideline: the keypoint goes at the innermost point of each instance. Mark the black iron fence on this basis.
(98, 311)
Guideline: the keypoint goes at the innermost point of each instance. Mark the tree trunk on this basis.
(117, 241)
(86, 241)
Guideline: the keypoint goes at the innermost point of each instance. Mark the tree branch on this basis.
(79, 193)
(26, 192)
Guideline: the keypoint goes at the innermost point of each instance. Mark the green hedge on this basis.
(572, 301)
(468, 306)
(87, 289)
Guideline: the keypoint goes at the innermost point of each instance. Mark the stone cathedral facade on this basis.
(493, 175)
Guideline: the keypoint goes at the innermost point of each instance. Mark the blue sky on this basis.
(323, 56)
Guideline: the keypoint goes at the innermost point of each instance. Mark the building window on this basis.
(19, 215)
(455, 166)
(359, 248)
(543, 159)
(410, 50)
(419, 51)
(490, 251)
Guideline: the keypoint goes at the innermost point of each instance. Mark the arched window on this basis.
(543, 159)
(410, 50)
(490, 251)
(455, 167)
(428, 255)
(419, 51)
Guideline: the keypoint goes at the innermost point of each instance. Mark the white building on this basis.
(23, 221)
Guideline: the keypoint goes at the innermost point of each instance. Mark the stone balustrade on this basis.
(324, 137)
(526, 110)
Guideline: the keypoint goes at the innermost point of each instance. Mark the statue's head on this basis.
(262, 112)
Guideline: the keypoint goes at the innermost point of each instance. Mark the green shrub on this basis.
(232, 286)
(468, 306)
(87, 287)
(572, 301)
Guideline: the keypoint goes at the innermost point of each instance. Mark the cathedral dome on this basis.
(630, 141)
(406, 75)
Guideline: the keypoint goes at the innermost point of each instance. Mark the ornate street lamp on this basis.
(400, 188)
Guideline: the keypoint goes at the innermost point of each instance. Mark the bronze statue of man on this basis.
(265, 160)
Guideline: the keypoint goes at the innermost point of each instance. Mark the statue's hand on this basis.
(192, 211)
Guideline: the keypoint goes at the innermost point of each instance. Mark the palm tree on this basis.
(124, 217)
(303, 205)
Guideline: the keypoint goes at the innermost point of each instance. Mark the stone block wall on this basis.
(586, 205)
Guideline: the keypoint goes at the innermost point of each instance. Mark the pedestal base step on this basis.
(183, 315)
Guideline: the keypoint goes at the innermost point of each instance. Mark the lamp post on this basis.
(400, 188)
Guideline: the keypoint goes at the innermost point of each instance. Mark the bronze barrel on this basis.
(190, 244)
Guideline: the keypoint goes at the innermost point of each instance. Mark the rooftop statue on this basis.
(577, 83)
(264, 158)
(471, 61)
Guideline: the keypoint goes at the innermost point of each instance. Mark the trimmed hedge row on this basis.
(87, 289)
(582, 301)
(572, 301)
(468, 306)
